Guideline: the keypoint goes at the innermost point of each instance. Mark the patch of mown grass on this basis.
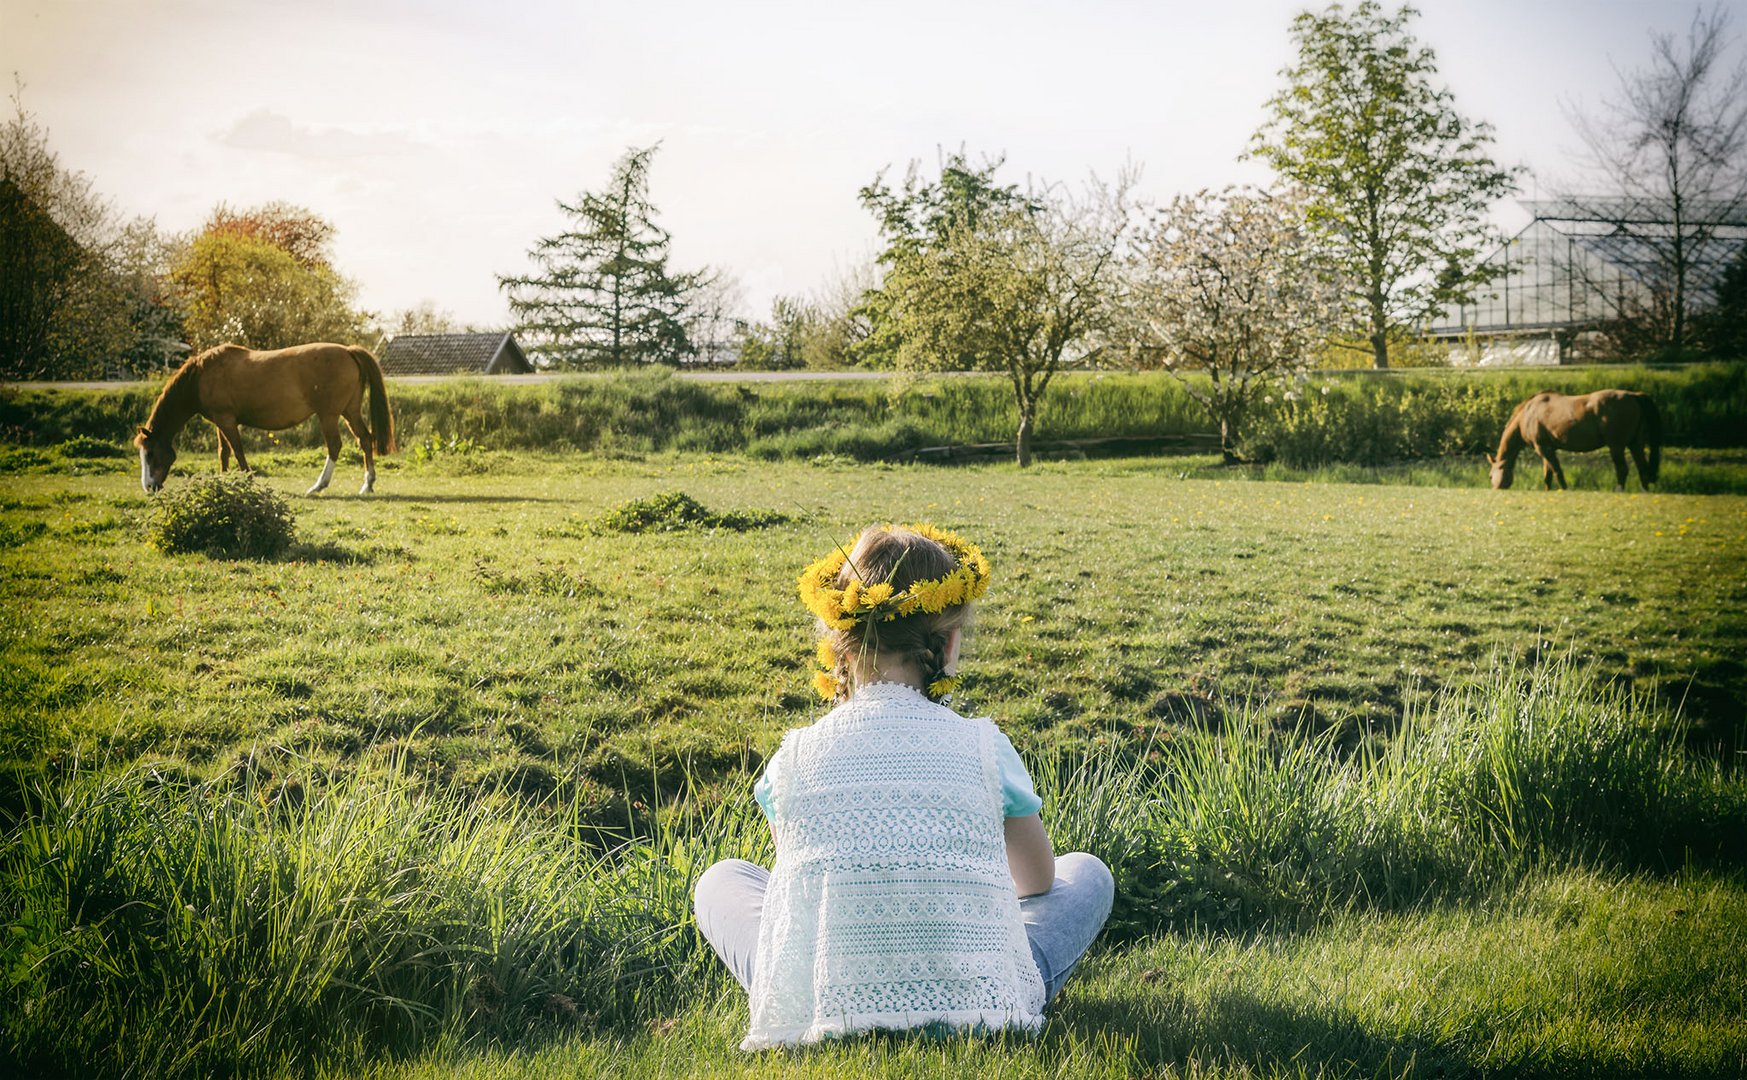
(448, 606)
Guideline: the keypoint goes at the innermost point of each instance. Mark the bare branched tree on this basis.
(1669, 155)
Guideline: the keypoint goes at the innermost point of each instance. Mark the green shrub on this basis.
(229, 516)
(670, 511)
(84, 446)
(1366, 417)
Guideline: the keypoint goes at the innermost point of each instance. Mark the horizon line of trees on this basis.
(1377, 221)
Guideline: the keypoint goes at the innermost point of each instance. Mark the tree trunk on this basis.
(1226, 451)
(1379, 334)
(1023, 442)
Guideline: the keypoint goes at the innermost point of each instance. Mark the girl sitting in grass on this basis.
(914, 884)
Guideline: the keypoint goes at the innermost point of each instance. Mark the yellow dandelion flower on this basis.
(827, 655)
(826, 684)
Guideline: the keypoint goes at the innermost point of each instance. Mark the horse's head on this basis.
(1501, 470)
(157, 454)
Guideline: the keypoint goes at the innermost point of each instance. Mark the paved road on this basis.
(695, 376)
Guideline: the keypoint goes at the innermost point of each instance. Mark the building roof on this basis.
(453, 354)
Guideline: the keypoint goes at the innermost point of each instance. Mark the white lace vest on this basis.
(890, 904)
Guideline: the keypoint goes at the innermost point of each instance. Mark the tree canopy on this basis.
(65, 309)
(263, 278)
(1225, 294)
(602, 293)
(1397, 182)
(983, 277)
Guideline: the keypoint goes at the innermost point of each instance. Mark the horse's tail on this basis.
(381, 416)
(1650, 419)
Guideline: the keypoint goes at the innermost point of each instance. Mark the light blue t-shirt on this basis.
(1018, 795)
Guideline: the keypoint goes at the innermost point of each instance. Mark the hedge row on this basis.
(1358, 417)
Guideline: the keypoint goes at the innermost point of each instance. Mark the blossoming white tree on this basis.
(1222, 292)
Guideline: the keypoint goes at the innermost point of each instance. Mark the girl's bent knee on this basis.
(1087, 872)
(728, 878)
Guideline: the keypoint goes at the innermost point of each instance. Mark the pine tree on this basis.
(602, 294)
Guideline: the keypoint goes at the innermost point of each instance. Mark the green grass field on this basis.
(471, 630)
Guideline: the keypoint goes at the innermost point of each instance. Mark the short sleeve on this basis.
(764, 792)
(1018, 795)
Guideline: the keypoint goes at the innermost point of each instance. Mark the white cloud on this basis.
(264, 129)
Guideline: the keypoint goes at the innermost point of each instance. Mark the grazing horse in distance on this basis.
(231, 386)
(1620, 420)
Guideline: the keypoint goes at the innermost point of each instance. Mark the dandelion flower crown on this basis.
(861, 602)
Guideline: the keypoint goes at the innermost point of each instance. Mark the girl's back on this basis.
(891, 899)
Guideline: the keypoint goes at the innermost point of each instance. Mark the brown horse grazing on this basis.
(231, 385)
(1620, 420)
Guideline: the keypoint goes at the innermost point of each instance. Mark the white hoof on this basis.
(369, 484)
(321, 481)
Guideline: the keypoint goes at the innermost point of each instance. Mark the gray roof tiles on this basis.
(451, 354)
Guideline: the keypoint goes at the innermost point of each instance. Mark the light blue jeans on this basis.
(1060, 924)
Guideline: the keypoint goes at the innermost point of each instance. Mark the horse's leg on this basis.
(355, 421)
(330, 433)
(229, 436)
(1619, 454)
(224, 452)
(1546, 472)
(1553, 464)
(1638, 460)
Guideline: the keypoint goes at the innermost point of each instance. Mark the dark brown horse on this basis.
(1620, 420)
(232, 386)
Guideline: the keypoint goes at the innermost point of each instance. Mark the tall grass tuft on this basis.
(160, 927)
(168, 929)
(1488, 780)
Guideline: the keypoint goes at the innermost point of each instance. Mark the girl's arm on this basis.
(1030, 859)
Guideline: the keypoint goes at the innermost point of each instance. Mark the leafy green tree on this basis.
(915, 219)
(1397, 181)
(264, 278)
(780, 343)
(69, 307)
(602, 293)
(981, 277)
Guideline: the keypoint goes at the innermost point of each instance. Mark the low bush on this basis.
(669, 511)
(228, 516)
(84, 446)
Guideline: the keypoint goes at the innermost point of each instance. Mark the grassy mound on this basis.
(226, 517)
(671, 511)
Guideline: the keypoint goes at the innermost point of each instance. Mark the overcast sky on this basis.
(436, 134)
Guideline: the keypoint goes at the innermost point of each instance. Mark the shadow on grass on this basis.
(327, 552)
(433, 497)
(1250, 1036)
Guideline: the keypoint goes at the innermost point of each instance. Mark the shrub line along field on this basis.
(1372, 418)
(408, 755)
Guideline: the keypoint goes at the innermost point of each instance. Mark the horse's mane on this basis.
(180, 390)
